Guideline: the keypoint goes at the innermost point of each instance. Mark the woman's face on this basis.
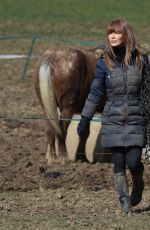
(115, 38)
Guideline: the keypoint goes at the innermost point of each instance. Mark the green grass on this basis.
(74, 10)
(83, 19)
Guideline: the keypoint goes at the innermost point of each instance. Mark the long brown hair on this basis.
(122, 26)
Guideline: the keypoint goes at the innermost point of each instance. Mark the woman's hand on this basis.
(83, 126)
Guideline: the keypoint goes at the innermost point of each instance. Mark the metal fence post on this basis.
(22, 77)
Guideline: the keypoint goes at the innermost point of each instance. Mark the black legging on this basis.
(130, 156)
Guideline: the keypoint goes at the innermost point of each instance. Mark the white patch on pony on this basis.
(69, 64)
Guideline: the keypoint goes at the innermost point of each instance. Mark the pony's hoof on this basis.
(65, 161)
(52, 161)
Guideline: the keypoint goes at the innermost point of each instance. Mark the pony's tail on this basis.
(48, 97)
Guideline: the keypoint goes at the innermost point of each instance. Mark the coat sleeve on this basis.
(97, 90)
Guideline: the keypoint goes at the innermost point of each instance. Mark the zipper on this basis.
(126, 116)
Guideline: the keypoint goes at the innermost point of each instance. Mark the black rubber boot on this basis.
(123, 191)
(137, 189)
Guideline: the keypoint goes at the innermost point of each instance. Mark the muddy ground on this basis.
(34, 196)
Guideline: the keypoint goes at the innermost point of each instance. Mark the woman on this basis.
(119, 74)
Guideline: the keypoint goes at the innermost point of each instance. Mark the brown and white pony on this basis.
(62, 82)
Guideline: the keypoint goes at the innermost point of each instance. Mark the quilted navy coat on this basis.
(122, 122)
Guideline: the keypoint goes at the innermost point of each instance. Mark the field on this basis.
(78, 195)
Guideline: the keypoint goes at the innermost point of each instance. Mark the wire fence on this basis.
(35, 117)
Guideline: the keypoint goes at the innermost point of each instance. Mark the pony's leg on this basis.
(51, 151)
(62, 150)
(80, 154)
(61, 140)
(61, 144)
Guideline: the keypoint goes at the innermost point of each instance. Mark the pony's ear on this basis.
(144, 48)
(99, 52)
